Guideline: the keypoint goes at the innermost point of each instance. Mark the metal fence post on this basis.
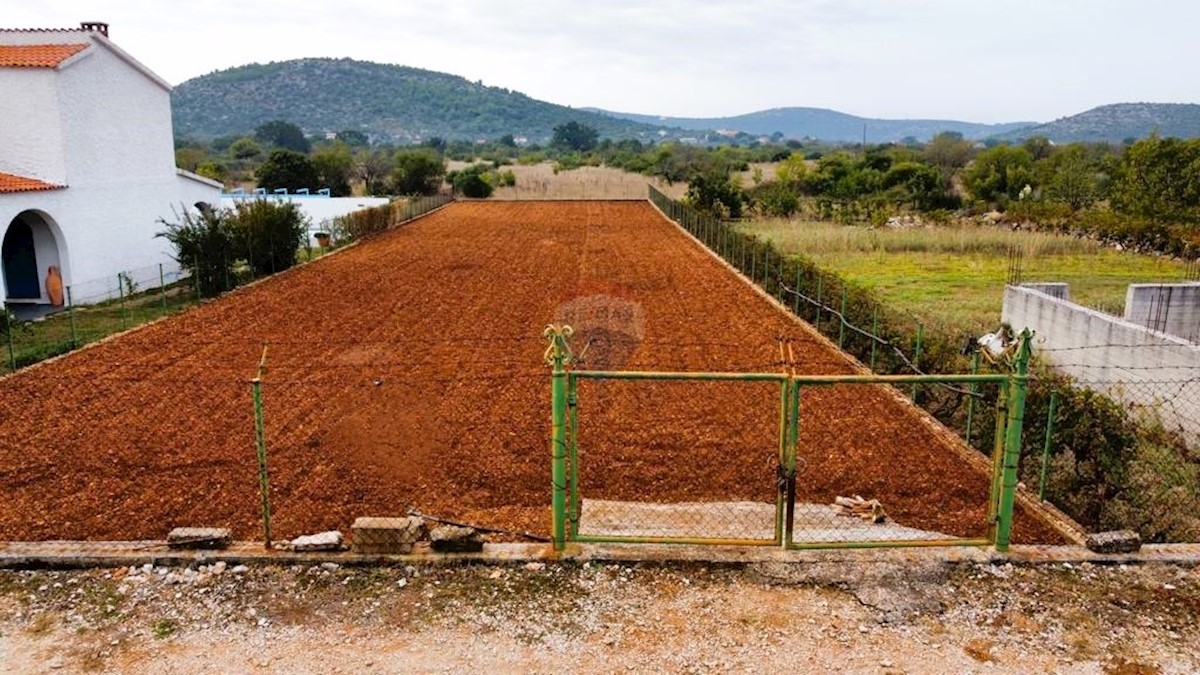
(12, 354)
(917, 357)
(1018, 385)
(71, 318)
(874, 334)
(1049, 443)
(573, 447)
(162, 287)
(971, 399)
(261, 446)
(820, 302)
(121, 293)
(842, 323)
(558, 355)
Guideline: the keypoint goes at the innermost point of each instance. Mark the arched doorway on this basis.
(30, 247)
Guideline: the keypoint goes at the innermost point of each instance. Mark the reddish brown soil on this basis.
(408, 371)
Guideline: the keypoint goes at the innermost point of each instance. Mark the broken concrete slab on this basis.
(452, 539)
(198, 537)
(375, 535)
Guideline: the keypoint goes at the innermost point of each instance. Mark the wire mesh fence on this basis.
(1130, 459)
(674, 460)
(93, 309)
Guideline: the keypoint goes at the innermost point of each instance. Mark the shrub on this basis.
(205, 247)
(267, 233)
(472, 182)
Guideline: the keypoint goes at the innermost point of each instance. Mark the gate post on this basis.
(558, 355)
(1018, 383)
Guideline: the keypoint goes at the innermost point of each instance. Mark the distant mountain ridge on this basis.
(388, 102)
(1118, 122)
(826, 125)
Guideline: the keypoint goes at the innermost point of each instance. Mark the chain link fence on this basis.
(1122, 452)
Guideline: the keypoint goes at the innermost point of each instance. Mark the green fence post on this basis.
(573, 447)
(917, 357)
(974, 388)
(162, 287)
(261, 446)
(1048, 445)
(71, 318)
(874, 334)
(842, 322)
(1001, 417)
(12, 354)
(820, 302)
(558, 356)
(121, 293)
(796, 295)
(1018, 385)
(196, 276)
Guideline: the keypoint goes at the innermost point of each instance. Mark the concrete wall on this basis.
(1150, 371)
(319, 210)
(1170, 308)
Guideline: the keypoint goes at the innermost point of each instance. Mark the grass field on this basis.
(954, 276)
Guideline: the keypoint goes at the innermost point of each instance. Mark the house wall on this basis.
(31, 142)
(114, 144)
(319, 210)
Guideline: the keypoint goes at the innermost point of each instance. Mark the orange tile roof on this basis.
(11, 183)
(37, 56)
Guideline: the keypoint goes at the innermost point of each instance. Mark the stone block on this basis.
(1119, 541)
(386, 535)
(451, 539)
(322, 541)
(198, 537)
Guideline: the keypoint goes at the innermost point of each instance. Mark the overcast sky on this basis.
(973, 60)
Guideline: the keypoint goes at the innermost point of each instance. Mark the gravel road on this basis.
(873, 618)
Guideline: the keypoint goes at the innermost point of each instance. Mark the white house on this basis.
(87, 161)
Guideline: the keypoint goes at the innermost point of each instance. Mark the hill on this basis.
(387, 102)
(1118, 122)
(826, 125)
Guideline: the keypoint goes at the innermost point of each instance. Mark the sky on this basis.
(973, 60)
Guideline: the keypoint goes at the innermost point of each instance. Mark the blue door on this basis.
(20, 262)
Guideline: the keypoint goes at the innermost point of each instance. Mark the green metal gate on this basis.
(772, 502)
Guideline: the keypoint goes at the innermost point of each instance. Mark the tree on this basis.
(792, 171)
(1159, 178)
(575, 136)
(417, 172)
(1074, 180)
(353, 138)
(281, 134)
(473, 182)
(189, 158)
(372, 168)
(287, 169)
(948, 151)
(335, 167)
(999, 174)
(716, 193)
(921, 184)
(245, 148)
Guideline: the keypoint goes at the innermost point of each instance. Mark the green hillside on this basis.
(1118, 122)
(390, 103)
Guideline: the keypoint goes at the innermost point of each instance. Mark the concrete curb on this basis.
(83, 555)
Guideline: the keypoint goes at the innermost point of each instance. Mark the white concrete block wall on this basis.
(1150, 371)
(1170, 308)
(319, 210)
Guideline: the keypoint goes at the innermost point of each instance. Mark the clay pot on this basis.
(54, 286)
(322, 239)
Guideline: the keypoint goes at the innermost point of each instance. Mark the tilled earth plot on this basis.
(408, 371)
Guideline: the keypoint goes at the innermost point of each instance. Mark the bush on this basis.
(472, 182)
(268, 233)
(205, 247)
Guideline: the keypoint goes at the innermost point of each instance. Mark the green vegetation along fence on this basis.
(1106, 466)
(94, 309)
(97, 308)
(661, 457)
